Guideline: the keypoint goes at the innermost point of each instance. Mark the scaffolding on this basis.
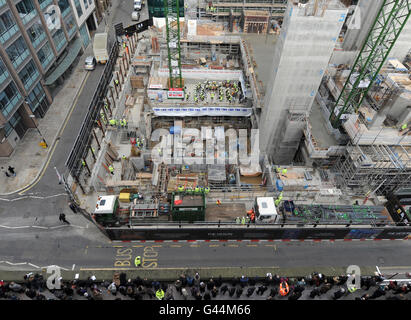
(375, 168)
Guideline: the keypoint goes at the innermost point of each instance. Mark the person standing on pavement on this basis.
(6, 173)
(11, 170)
(62, 218)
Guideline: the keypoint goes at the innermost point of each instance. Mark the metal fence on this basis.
(79, 150)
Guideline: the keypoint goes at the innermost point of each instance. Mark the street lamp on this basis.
(33, 116)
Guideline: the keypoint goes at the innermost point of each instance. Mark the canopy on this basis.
(73, 51)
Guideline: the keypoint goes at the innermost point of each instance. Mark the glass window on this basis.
(45, 55)
(84, 35)
(59, 39)
(7, 26)
(70, 25)
(3, 72)
(17, 52)
(85, 4)
(9, 126)
(29, 74)
(78, 8)
(44, 3)
(90, 2)
(26, 10)
(36, 34)
(9, 98)
(36, 96)
(64, 7)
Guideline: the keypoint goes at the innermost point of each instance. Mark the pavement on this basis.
(249, 290)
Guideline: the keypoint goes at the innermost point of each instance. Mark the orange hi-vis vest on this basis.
(284, 289)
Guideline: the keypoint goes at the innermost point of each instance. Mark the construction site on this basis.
(176, 139)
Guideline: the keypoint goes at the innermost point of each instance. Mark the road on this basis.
(31, 233)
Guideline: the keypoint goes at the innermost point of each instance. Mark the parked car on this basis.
(135, 16)
(137, 4)
(90, 63)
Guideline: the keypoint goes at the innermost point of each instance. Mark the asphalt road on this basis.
(31, 233)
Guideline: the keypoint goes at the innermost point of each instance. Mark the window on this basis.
(78, 8)
(9, 126)
(64, 6)
(7, 26)
(35, 97)
(90, 2)
(84, 35)
(36, 34)
(29, 74)
(3, 72)
(45, 55)
(9, 98)
(70, 25)
(26, 10)
(45, 3)
(85, 4)
(2, 3)
(17, 52)
(59, 39)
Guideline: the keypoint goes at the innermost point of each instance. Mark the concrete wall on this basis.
(301, 56)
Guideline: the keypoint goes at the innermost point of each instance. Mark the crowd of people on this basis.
(216, 91)
(270, 287)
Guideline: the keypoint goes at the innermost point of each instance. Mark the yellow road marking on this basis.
(28, 187)
(233, 245)
(251, 245)
(214, 245)
(138, 246)
(194, 245)
(117, 246)
(175, 246)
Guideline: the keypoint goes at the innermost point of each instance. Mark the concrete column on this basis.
(25, 113)
(47, 92)
(5, 147)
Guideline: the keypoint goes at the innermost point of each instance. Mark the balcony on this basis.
(26, 18)
(19, 60)
(39, 40)
(45, 4)
(9, 33)
(10, 106)
(4, 75)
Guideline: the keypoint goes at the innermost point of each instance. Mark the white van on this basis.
(265, 210)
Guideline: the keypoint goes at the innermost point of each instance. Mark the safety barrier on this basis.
(244, 232)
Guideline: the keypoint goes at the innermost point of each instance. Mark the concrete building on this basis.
(36, 50)
(302, 53)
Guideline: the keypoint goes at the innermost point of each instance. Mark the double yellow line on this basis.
(32, 184)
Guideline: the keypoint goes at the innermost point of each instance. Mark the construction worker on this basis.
(180, 188)
(206, 190)
(196, 190)
(124, 157)
(160, 294)
(404, 126)
(187, 96)
(201, 189)
(112, 122)
(284, 289)
(93, 151)
(125, 123)
(137, 261)
(83, 163)
(352, 289)
(237, 220)
(252, 217)
(160, 152)
(189, 190)
(284, 171)
(116, 82)
(218, 202)
(111, 169)
(212, 95)
(243, 220)
(195, 99)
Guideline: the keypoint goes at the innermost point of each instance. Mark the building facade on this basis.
(38, 44)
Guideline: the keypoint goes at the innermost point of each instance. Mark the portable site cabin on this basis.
(265, 210)
(106, 209)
